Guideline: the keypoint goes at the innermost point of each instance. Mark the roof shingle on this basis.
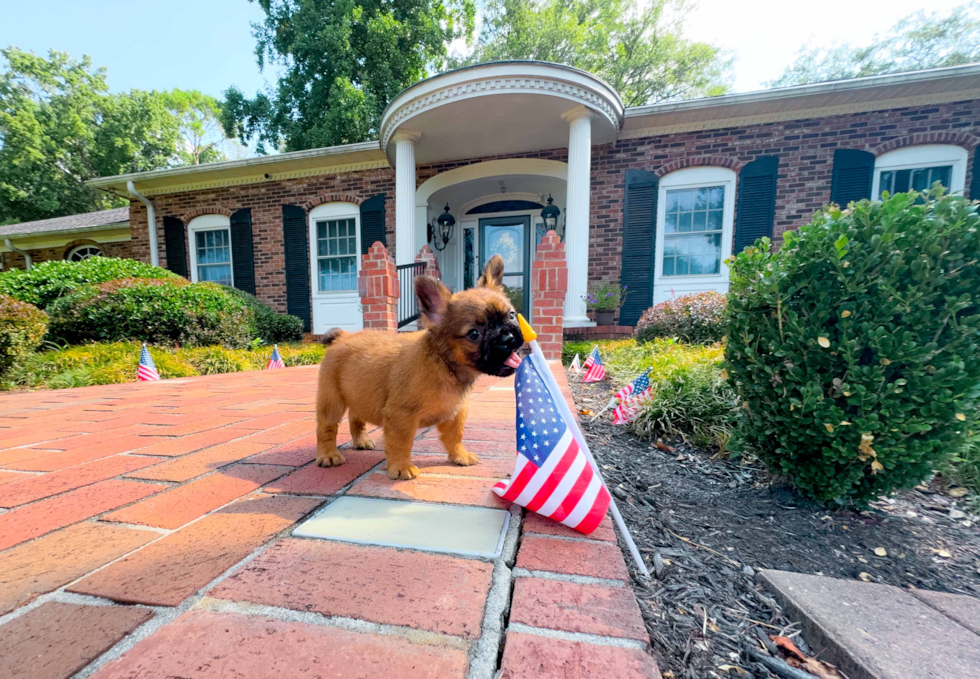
(115, 216)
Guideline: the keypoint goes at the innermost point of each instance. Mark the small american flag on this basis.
(641, 383)
(595, 371)
(627, 410)
(147, 371)
(552, 475)
(275, 361)
(590, 359)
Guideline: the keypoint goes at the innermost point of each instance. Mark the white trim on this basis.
(97, 246)
(334, 308)
(924, 155)
(208, 223)
(688, 178)
(332, 211)
(490, 168)
(497, 197)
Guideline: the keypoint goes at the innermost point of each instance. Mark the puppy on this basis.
(409, 380)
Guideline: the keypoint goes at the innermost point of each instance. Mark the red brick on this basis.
(202, 462)
(55, 640)
(487, 448)
(26, 523)
(208, 645)
(286, 432)
(9, 477)
(175, 567)
(314, 480)
(54, 560)
(294, 454)
(573, 607)
(46, 461)
(273, 420)
(487, 468)
(433, 592)
(535, 523)
(196, 426)
(527, 656)
(459, 491)
(183, 445)
(46, 485)
(108, 438)
(595, 559)
(190, 501)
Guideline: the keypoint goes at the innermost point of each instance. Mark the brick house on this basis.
(105, 233)
(656, 197)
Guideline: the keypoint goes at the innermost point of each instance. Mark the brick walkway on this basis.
(145, 531)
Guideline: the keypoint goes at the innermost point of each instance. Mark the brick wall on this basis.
(15, 260)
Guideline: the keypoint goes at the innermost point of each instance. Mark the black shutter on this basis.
(175, 245)
(241, 250)
(373, 222)
(975, 180)
(853, 172)
(639, 233)
(756, 201)
(297, 263)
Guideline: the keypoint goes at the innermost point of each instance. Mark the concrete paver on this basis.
(963, 609)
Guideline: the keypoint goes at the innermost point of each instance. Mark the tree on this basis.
(917, 42)
(637, 47)
(200, 130)
(341, 62)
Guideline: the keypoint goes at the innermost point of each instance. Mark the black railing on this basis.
(408, 303)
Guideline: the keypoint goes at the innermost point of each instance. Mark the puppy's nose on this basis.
(505, 339)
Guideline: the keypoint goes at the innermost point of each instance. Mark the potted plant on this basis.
(605, 299)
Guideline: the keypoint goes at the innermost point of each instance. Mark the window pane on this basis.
(685, 200)
(693, 254)
(668, 266)
(701, 199)
(213, 252)
(699, 221)
(717, 199)
(684, 222)
(670, 222)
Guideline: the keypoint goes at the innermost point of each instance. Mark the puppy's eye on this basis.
(513, 315)
(473, 335)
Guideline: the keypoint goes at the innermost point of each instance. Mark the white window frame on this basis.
(97, 246)
(692, 178)
(925, 155)
(208, 223)
(330, 211)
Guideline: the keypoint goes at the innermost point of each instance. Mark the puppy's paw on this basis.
(364, 443)
(406, 472)
(464, 459)
(333, 459)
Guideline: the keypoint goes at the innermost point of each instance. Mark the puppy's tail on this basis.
(332, 336)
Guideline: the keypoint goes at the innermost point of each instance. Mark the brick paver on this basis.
(459, 491)
(575, 607)
(535, 523)
(315, 480)
(38, 487)
(202, 462)
(594, 559)
(528, 656)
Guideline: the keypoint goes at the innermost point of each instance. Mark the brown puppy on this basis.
(411, 380)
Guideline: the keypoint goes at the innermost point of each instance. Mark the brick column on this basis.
(549, 282)
(377, 283)
(431, 263)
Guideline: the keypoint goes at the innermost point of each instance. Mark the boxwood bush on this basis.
(48, 281)
(162, 311)
(270, 326)
(697, 318)
(22, 328)
(855, 347)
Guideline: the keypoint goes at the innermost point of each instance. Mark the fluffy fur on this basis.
(409, 380)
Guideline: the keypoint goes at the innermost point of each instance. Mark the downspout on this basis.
(27, 257)
(151, 219)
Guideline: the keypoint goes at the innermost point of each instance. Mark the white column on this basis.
(405, 196)
(578, 203)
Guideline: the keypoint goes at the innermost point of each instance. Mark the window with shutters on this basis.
(211, 259)
(695, 210)
(919, 167)
(334, 245)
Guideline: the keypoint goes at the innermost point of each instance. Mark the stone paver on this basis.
(434, 592)
(574, 607)
(594, 559)
(875, 631)
(55, 640)
(205, 645)
(528, 656)
(963, 609)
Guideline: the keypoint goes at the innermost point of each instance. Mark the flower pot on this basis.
(604, 316)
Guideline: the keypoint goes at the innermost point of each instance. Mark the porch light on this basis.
(550, 214)
(441, 230)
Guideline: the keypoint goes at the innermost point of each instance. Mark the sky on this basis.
(207, 44)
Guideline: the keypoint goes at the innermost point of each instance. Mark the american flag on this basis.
(147, 371)
(275, 361)
(595, 371)
(590, 359)
(627, 410)
(552, 475)
(641, 383)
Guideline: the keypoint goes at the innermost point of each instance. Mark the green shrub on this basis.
(48, 281)
(22, 327)
(697, 318)
(271, 327)
(855, 347)
(159, 311)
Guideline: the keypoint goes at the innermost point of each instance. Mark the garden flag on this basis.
(147, 371)
(576, 366)
(595, 370)
(275, 361)
(590, 359)
(640, 384)
(552, 476)
(627, 410)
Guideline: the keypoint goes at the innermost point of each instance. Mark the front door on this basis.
(335, 254)
(510, 237)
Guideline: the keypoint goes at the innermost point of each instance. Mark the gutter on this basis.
(151, 219)
(27, 257)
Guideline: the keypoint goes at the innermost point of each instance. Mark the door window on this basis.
(508, 237)
(336, 248)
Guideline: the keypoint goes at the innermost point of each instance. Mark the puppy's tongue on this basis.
(513, 360)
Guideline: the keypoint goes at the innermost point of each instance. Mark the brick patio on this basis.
(145, 530)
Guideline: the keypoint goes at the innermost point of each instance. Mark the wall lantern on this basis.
(440, 230)
(550, 215)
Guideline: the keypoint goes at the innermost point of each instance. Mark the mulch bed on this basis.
(706, 527)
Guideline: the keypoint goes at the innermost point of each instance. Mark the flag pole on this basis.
(541, 363)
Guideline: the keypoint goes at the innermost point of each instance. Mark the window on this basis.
(81, 252)
(210, 246)
(336, 248)
(918, 168)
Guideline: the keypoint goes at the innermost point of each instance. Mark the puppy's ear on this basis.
(433, 298)
(493, 275)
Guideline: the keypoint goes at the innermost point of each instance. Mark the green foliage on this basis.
(270, 326)
(605, 296)
(637, 47)
(855, 347)
(113, 363)
(697, 318)
(22, 327)
(341, 63)
(917, 42)
(203, 139)
(152, 310)
(48, 281)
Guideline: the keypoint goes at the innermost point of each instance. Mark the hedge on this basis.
(22, 328)
(698, 318)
